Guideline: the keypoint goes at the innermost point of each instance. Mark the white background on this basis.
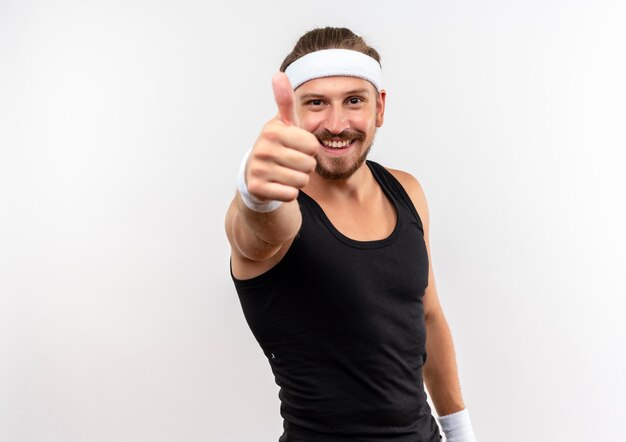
(122, 125)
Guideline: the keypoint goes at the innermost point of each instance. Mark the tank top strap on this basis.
(392, 187)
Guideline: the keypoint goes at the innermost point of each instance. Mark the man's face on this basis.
(343, 113)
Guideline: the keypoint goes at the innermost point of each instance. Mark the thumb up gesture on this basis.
(284, 155)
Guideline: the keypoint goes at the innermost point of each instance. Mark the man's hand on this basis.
(284, 155)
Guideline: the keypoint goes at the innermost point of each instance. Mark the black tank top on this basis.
(342, 325)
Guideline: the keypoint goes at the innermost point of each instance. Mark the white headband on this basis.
(334, 62)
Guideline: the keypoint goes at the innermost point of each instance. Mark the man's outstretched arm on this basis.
(264, 215)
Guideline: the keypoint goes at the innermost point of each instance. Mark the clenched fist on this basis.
(284, 155)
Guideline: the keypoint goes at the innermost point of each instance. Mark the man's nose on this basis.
(336, 121)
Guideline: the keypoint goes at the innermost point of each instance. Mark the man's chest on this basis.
(373, 221)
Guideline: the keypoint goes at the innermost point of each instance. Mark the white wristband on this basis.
(457, 427)
(252, 202)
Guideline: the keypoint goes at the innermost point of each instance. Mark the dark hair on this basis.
(328, 38)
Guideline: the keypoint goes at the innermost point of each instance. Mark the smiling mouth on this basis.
(337, 145)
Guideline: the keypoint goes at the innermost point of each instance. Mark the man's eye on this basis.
(315, 102)
(354, 100)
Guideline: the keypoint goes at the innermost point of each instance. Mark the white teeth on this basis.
(336, 144)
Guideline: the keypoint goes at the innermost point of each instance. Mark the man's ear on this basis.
(380, 107)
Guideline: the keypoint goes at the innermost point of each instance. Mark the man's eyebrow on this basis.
(360, 91)
(313, 96)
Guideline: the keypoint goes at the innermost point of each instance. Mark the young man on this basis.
(331, 262)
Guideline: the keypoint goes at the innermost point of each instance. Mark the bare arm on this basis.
(440, 371)
(278, 166)
(259, 236)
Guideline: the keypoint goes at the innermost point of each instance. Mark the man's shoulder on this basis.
(408, 181)
(405, 178)
(414, 189)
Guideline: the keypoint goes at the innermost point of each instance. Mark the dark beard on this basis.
(355, 136)
(342, 174)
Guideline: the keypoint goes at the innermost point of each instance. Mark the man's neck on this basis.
(354, 189)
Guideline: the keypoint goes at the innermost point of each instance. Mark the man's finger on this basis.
(283, 94)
